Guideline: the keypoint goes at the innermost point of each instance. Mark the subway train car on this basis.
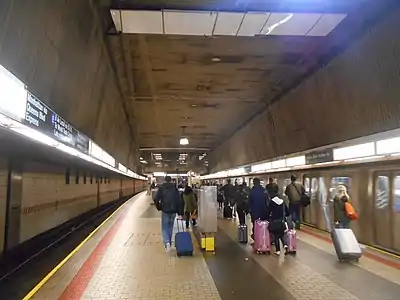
(374, 189)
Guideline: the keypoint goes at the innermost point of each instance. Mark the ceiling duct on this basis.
(213, 23)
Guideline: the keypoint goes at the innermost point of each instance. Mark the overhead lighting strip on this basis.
(17, 105)
(378, 149)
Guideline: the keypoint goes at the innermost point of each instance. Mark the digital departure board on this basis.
(42, 118)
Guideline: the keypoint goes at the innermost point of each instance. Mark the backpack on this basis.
(170, 200)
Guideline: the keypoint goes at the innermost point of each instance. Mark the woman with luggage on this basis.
(339, 207)
(190, 203)
(278, 212)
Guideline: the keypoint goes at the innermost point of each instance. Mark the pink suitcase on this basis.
(262, 241)
(291, 240)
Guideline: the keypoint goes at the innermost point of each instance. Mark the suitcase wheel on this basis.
(269, 252)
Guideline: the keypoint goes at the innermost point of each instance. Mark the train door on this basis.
(306, 211)
(324, 221)
(396, 212)
(382, 210)
(314, 205)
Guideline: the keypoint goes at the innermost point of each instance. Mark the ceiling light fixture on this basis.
(184, 140)
(216, 59)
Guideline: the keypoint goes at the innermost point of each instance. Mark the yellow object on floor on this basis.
(207, 242)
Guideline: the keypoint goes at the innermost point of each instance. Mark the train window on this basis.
(307, 184)
(396, 194)
(381, 192)
(314, 189)
(346, 181)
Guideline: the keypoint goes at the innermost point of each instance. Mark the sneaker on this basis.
(286, 249)
(278, 253)
(167, 247)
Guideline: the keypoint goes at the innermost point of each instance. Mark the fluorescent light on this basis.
(159, 174)
(362, 150)
(261, 167)
(184, 141)
(296, 161)
(37, 136)
(278, 164)
(388, 146)
(365, 158)
(13, 95)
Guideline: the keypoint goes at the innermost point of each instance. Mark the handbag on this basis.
(304, 198)
(350, 211)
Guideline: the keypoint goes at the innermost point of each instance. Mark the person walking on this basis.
(258, 200)
(277, 212)
(242, 202)
(295, 190)
(167, 201)
(190, 205)
(339, 207)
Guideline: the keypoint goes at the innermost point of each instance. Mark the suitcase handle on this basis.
(183, 227)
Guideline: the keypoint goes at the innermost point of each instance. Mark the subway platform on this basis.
(125, 259)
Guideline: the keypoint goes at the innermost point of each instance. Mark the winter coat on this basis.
(190, 202)
(294, 191)
(257, 204)
(339, 210)
(277, 209)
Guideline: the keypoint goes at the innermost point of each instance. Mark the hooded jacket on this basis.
(277, 209)
(258, 200)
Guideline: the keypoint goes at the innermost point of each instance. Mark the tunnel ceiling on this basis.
(169, 81)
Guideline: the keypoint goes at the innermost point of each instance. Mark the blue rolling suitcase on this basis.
(183, 242)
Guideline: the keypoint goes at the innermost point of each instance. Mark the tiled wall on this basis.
(47, 201)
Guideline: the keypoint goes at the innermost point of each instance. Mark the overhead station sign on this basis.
(40, 117)
(317, 157)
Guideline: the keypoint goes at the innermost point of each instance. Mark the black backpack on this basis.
(170, 200)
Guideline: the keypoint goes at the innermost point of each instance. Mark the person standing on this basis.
(168, 202)
(339, 207)
(190, 205)
(229, 194)
(242, 202)
(258, 200)
(294, 191)
(277, 212)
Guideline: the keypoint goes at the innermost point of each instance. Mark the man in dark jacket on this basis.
(229, 194)
(242, 197)
(294, 191)
(258, 200)
(167, 200)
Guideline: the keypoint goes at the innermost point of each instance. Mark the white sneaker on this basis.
(167, 247)
(278, 252)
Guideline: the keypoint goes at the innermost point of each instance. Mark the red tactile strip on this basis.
(77, 286)
(368, 254)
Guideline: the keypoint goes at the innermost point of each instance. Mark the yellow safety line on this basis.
(68, 257)
(368, 246)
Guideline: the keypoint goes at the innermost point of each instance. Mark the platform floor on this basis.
(125, 259)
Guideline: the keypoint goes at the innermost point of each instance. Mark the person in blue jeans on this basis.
(294, 192)
(167, 201)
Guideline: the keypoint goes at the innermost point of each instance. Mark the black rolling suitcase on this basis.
(228, 212)
(242, 234)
